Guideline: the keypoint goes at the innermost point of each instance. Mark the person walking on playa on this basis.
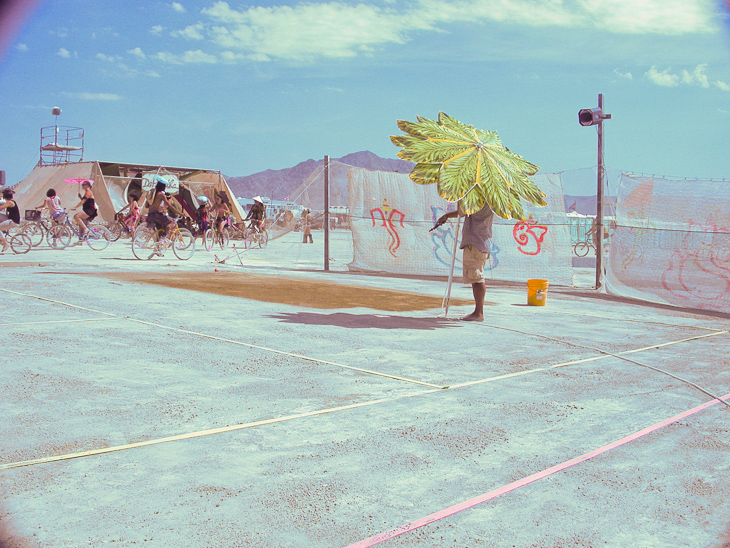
(88, 209)
(10, 216)
(475, 239)
(307, 222)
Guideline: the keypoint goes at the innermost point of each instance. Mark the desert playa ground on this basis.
(264, 402)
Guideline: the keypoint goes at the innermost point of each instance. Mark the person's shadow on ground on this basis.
(365, 321)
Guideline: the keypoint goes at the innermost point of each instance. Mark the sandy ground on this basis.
(238, 404)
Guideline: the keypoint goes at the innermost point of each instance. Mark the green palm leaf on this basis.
(469, 165)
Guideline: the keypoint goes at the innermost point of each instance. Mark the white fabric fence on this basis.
(672, 243)
(391, 216)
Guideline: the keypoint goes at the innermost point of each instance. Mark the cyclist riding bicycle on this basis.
(157, 215)
(222, 211)
(202, 214)
(10, 217)
(256, 214)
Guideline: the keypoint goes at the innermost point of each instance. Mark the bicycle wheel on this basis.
(98, 237)
(116, 229)
(235, 233)
(208, 239)
(581, 249)
(35, 231)
(143, 244)
(183, 244)
(224, 238)
(247, 238)
(263, 238)
(20, 243)
(59, 236)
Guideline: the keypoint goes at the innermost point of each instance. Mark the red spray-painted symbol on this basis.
(387, 214)
(522, 232)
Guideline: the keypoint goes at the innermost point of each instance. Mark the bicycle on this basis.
(59, 235)
(119, 228)
(581, 249)
(148, 242)
(256, 237)
(235, 232)
(18, 241)
(35, 226)
(213, 237)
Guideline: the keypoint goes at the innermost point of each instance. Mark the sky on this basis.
(246, 87)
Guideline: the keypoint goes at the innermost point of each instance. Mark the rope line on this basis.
(447, 512)
(621, 357)
(240, 343)
(201, 433)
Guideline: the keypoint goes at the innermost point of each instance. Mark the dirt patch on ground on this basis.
(305, 293)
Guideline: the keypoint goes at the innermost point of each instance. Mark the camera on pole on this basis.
(592, 116)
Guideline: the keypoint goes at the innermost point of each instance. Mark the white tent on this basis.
(115, 182)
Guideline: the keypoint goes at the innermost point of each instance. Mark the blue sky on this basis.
(265, 85)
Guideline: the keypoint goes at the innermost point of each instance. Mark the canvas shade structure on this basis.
(114, 182)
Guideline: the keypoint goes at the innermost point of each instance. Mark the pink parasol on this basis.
(79, 181)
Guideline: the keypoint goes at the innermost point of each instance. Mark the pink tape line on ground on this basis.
(410, 526)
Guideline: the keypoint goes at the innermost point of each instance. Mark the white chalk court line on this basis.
(240, 343)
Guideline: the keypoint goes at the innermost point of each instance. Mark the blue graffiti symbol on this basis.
(443, 243)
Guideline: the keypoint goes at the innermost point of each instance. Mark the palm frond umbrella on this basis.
(468, 165)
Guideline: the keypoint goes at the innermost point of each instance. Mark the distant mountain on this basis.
(287, 183)
(281, 184)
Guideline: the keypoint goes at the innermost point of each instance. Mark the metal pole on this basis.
(326, 213)
(599, 202)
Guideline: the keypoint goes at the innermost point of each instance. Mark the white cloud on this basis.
(191, 32)
(697, 77)
(626, 75)
(335, 29)
(307, 30)
(192, 57)
(178, 7)
(21, 47)
(137, 52)
(108, 58)
(651, 16)
(86, 96)
(157, 30)
(63, 52)
(664, 78)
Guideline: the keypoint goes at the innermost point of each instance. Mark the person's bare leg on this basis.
(479, 290)
(80, 218)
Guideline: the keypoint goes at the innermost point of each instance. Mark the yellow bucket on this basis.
(537, 292)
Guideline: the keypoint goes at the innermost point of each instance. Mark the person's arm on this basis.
(81, 202)
(445, 217)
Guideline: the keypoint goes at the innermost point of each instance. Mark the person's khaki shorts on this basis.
(473, 264)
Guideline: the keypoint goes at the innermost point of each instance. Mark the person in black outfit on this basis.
(10, 216)
(88, 209)
(256, 214)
